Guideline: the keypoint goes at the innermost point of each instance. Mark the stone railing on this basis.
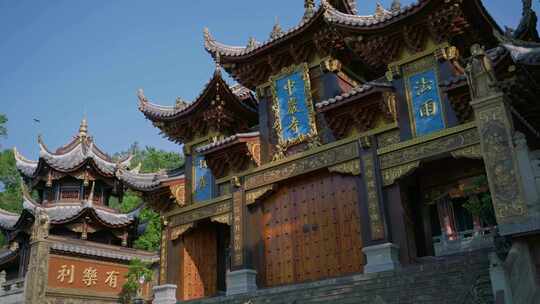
(12, 292)
(466, 241)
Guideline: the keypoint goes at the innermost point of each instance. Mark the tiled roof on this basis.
(329, 14)
(525, 54)
(100, 250)
(71, 156)
(64, 212)
(357, 92)
(155, 111)
(226, 140)
(8, 219)
(148, 181)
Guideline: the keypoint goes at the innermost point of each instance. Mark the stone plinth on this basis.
(384, 257)
(164, 294)
(241, 281)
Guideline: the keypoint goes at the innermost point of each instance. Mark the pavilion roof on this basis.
(333, 29)
(148, 181)
(63, 213)
(217, 107)
(70, 157)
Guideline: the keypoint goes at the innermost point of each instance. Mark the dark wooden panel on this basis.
(311, 230)
(199, 263)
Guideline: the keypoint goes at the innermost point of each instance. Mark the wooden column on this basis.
(240, 258)
(373, 213)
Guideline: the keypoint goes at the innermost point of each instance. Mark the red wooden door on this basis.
(311, 230)
(199, 263)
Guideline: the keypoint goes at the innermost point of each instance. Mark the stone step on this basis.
(455, 279)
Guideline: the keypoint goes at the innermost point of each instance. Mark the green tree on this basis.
(10, 179)
(3, 129)
(136, 270)
(151, 160)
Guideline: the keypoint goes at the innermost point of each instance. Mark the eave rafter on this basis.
(375, 40)
(217, 109)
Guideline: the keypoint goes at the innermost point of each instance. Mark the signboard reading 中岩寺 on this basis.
(293, 106)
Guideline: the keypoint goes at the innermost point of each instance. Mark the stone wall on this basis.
(461, 279)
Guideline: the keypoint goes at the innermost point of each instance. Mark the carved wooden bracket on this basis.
(254, 195)
(390, 175)
(177, 231)
(223, 219)
(351, 167)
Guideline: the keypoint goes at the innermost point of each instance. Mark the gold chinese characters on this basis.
(88, 277)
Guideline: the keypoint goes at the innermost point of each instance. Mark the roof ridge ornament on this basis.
(380, 11)
(309, 6)
(141, 97)
(277, 31)
(83, 129)
(252, 44)
(396, 6)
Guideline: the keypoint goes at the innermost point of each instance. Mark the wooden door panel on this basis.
(311, 230)
(199, 263)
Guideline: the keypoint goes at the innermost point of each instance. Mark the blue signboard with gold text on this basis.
(293, 106)
(202, 179)
(426, 105)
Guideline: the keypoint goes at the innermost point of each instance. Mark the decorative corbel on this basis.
(177, 231)
(253, 195)
(390, 175)
(178, 193)
(351, 167)
(223, 219)
(472, 152)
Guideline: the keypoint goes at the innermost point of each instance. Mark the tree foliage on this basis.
(136, 270)
(10, 179)
(3, 129)
(151, 160)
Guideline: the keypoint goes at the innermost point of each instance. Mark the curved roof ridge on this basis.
(217, 48)
(153, 110)
(26, 166)
(357, 90)
(381, 15)
(226, 140)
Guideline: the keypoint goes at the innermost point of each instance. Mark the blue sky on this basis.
(62, 58)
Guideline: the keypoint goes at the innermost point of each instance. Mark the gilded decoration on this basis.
(387, 139)
(292, 106)
(209, 210)
(223, 219)
(376, 222)
(423, 96)
(254, 149)
(238, 239)
(253, 195)
(303, 165)
(163, 256)
(351, 167)
(473, 152)
(498, 157)
(442, 142)
(392, 174)
(177, 231)
(178, 193)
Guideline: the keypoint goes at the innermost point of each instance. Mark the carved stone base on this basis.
(164, 294)
(384, 257)
(241, 281)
